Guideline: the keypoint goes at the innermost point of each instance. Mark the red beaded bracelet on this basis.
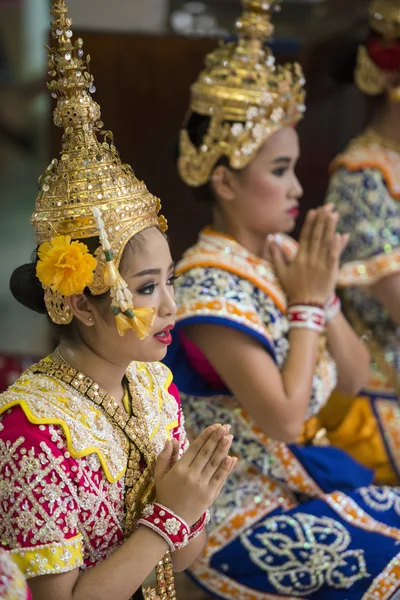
(303, 316)
(198, 527)
(167, 524)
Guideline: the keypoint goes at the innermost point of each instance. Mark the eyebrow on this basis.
(285, 159)
(153, 271)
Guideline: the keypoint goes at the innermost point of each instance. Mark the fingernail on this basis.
(227, 439)
(278, 239)
(227, 460)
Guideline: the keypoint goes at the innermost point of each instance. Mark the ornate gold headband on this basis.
(89, 175)
(245, 95)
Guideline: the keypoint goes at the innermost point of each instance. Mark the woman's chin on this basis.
(290, 224)
(149, 351)
(155, 352)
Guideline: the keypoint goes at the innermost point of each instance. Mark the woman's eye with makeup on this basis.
(172, 279)
(147, 289)
(280, 171)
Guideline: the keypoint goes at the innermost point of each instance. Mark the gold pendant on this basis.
(150, 594)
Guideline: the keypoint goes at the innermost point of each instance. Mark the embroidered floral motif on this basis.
(45, 507)
(381, 499)
(59, 512)
(371, 216)
(88, 427)
(12, 583)
(172, 526)
(302, 553)
(148, 510)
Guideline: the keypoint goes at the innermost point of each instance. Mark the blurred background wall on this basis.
(145, 55)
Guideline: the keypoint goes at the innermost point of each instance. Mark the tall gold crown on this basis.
(245, 95)
(89, 174)
(384, 19)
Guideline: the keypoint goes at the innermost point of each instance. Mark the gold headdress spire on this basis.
(379, 56)
(245, 95)
(88, 176)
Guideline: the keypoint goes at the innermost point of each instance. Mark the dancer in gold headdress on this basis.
(261, 341)
(90, 442)
(365, 190)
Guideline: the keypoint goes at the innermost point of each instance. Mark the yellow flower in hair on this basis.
(64, 266)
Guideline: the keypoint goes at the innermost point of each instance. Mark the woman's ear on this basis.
(81, 309)
(223, 183)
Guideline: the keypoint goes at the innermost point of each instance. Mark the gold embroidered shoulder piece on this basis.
(371, 151)
(48, 401)
(158, 407)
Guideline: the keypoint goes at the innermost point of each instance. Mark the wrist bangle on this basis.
(167, 524)
(332, 308)
(303, 316)
(198, 527)
(312, 304)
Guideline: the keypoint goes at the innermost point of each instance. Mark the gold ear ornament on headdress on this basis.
(89, 174)
(139, 320)
(368, 77)
(381, 55)
(244, 94)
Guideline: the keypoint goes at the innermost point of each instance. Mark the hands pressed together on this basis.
(189, 485)
(312, 275)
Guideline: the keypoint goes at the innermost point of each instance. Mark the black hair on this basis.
(342, 67)
(28, 291)
(197, 127)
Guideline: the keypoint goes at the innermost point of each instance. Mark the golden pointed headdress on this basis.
(245, 95)
(88, 192)
(379, 56)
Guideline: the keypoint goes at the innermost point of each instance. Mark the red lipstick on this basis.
(294, 212)
(164, 336)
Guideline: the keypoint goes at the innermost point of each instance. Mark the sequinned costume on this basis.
(365, 190)
(293, 521)
(76, 470)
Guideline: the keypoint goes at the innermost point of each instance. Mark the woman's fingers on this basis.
(335, 250)
(219, 454)
(175, 452)
(206, 451)
(197, 445)
(306, 232)
(329, 234)
(163, 463)
(221, 474)
(345, 241)
(278, 260)
(318, 233)
(232, 465)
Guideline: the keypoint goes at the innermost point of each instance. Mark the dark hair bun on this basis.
(27, 289)
(343, 62)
